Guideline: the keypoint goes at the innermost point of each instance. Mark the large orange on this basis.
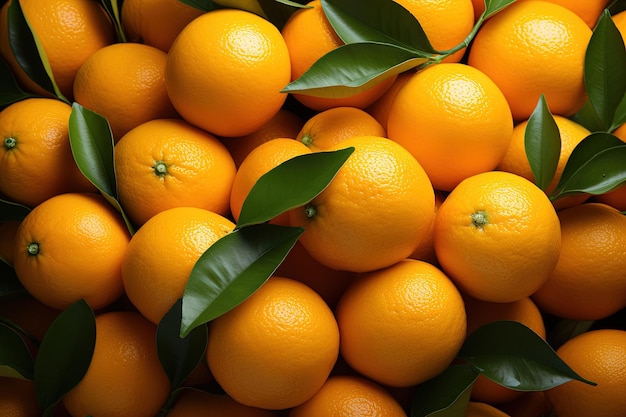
(18, 398)
(588, 10)
(196, 403)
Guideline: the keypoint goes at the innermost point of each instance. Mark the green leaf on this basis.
(64, 354)
(232, 269)
(112, 8)
(619, 118)
(512, 355)
(542, 142)
(588, 118)
(12, 211)
(15, 358)
(205, 5)
(446, 395)
(179, 356)
(605, 66)
(10, 91)
(494, 6)
(596, 166)
(291, 184)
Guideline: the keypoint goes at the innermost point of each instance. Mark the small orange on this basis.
(615, 198)
(588, 10)
(18, 398)
(8, 231)
(196, 403)
(379, 109)
(530, 404)
(478, 409)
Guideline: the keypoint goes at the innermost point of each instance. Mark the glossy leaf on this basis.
(179, 356)
(446, 395)
(619, 117)
(596, 166)
(64, 354)
(15, 358)
(293, 183)
(112, 8)
(10, 91)
(588, 118)
(205, 5)
(494, 6)
(542, 142)
(514, 356)
(232, 269)
(12, 211)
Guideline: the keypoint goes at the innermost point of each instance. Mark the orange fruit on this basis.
(196, 403)
(349, 396)
(379, 109)
(17, 398)
(8, 230)
(588, 10)
(162, 254)
(36, 160)
(125, 83)
(599, 356)
(479, 8)
(530, 404)
(69, 247)
(224, 65)
(426, 249)
(309, 36)
(615, 198)
(401, 325)
(478, 409)
(550, 36)
(167, 163)
(69, 32)
(125, 377)
(454, 120)
(368, 217)
(276, 349)
(620, 22)
(156, 22)
(329, 127)
(497, 236)
(592, 245)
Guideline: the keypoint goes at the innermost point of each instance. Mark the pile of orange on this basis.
(433, 226)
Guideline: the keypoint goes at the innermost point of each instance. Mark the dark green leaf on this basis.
(619, 117)
(494, 6)
(353, 68)
(232, 269)
(64, 354)
(179, 356)
(542, 142)
(15, 358)
(10, 91)
(113, 9)
(12, 211)
(588, 118)
(205, 5)
(10, 286)
(279, 11)
(596, 166)
(512, 355)
(446, 395)
(291, 184)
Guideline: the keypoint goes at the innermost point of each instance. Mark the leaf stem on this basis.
(464, 44)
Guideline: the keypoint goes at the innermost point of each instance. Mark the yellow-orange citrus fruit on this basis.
(125, 82)
(593, 244)
(196, 403)
(497, 236)
(309, 36)
(167, 163)
(426, 249)
(616, 197)
(8, 230)
(454, 120)
(588, 10)
(36, 160)
(329, 127)
(401, 325)
(69, 32)
(156, 22)
(478, 409)
(69, 247)
(276, 349)
(550, 36)
(375, 211)
(125, 377)
(379, 109)
(531, 404)
(349, 396)
(598, 356)
(18, 398)
(225, 71)
(161, 256)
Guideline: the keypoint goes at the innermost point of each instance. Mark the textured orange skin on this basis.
(588, 10)
(17, 398)
(196, 403)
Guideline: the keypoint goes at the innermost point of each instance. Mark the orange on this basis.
(17, 398)
(162, 253)
(156, 22)
(497, 236)
(593, 244)
(375, 211)
(620, 22)
(615, 198)
(401, 325)
(379, 109)
(196, 403)
(530, 404)
(588, 10)
(329, 127)
(309, 36)
(599, 356)
(69, 247)
(125, 377)
(426, 249)
(125, 83)
(225, 71)
(349, 396)
(478, 409)
(454, 120)
(167, 163)
(8, 230)
(36, 160)
(554, 39)
(479, 8)
(69, 32)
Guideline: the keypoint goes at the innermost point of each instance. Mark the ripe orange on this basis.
(125, 377)
(196, 403)
(401, 325)
(276, 349)
(380, 108)
(167, 163)
(69, 247)
(615, 198)
(479, 8)
(36, 160)
(162, 253)
(550, 36)
(225, 71)
(8, 230)
(478, 409)
(374, 213)
(588, 10)
(599, 356)
(454, 120)
(593, 244)
(531, 404)
(620, 22)
(497, 236)
(426, 249)
(18, 398)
